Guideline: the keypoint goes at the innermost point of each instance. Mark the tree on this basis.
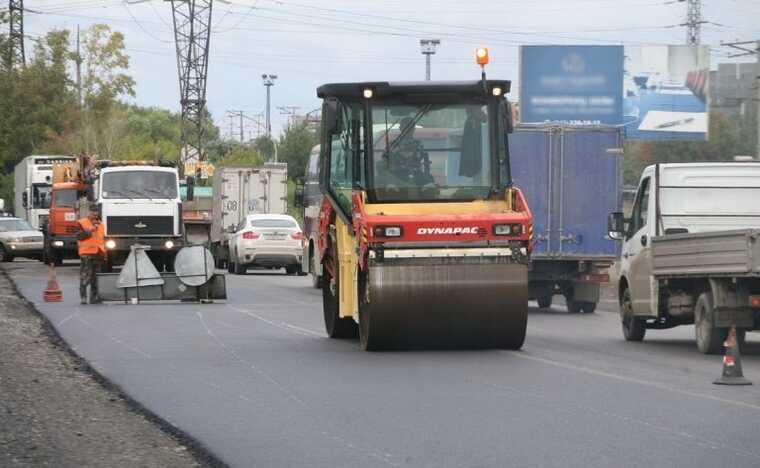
(242, 155)
(294, 148)
(37, 103)
(727, 138)
(103, 82)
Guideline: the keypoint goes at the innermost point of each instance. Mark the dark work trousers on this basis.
(89, 266)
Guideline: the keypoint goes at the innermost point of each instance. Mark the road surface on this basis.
(256, 381)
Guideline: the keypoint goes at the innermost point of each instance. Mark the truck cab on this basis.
(140, 204)
(62, 227)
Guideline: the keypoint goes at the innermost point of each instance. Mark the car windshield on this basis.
(139, 184)
(274, 223)
(430, 152)
(66, 197)
(9, 225)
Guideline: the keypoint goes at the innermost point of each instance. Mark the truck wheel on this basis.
(169, 263)
(336, 326)
(709, 337)
(573, 307)
(588, 307)
(316, 280)
(634, 328)
(545, 302)
(291, 270)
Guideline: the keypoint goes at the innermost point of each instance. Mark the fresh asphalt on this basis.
(256, 381)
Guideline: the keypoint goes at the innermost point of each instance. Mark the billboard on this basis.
(656, 92)
(571, 84)
(666, 88)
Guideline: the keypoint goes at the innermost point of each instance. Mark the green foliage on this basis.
(727, 138)
(37, 104)
(265, 147)
(241, 155)
(294, 148)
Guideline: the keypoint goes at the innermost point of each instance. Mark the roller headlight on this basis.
(508, 229)
(169, 244)
(57, 243)
(110, 244)
(387, 231)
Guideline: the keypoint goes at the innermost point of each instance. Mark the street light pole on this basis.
(268, 82)
(428, 48)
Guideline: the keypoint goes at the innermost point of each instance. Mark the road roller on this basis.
(424, 241)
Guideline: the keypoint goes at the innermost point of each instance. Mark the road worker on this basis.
(92, 252)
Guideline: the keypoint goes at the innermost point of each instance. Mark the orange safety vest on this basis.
(95, 244)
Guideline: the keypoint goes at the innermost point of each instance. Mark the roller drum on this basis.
(444, 303)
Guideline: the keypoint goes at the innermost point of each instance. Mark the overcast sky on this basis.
(310, 42)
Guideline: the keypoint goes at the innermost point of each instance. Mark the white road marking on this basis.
(111, 337)
(624, 378)
(279, 324)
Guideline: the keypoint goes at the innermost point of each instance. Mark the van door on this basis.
(637, 250)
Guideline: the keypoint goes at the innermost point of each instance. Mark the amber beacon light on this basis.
(481, 56)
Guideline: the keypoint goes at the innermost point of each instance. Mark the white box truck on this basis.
(240, 191)
(33, 184)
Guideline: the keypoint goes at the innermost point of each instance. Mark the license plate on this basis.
(274, 236)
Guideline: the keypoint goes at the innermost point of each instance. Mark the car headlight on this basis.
(110, 244)
(169, 244)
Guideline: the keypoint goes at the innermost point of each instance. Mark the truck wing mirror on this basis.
(616, 225)
(190, 181)
(330, 116)
(25, 199)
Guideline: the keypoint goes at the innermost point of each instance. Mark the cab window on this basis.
(344, 147)
(640, 209)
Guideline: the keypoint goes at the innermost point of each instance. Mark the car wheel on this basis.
(240, 269)
(291, 270)
(4, 257)
(316, 280)
(634, 328)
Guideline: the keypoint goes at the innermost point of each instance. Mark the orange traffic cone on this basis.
(732, 362)
(53, 292)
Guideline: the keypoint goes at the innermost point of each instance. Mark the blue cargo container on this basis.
(572, 178)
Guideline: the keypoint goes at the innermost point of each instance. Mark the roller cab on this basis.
(424, 240)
